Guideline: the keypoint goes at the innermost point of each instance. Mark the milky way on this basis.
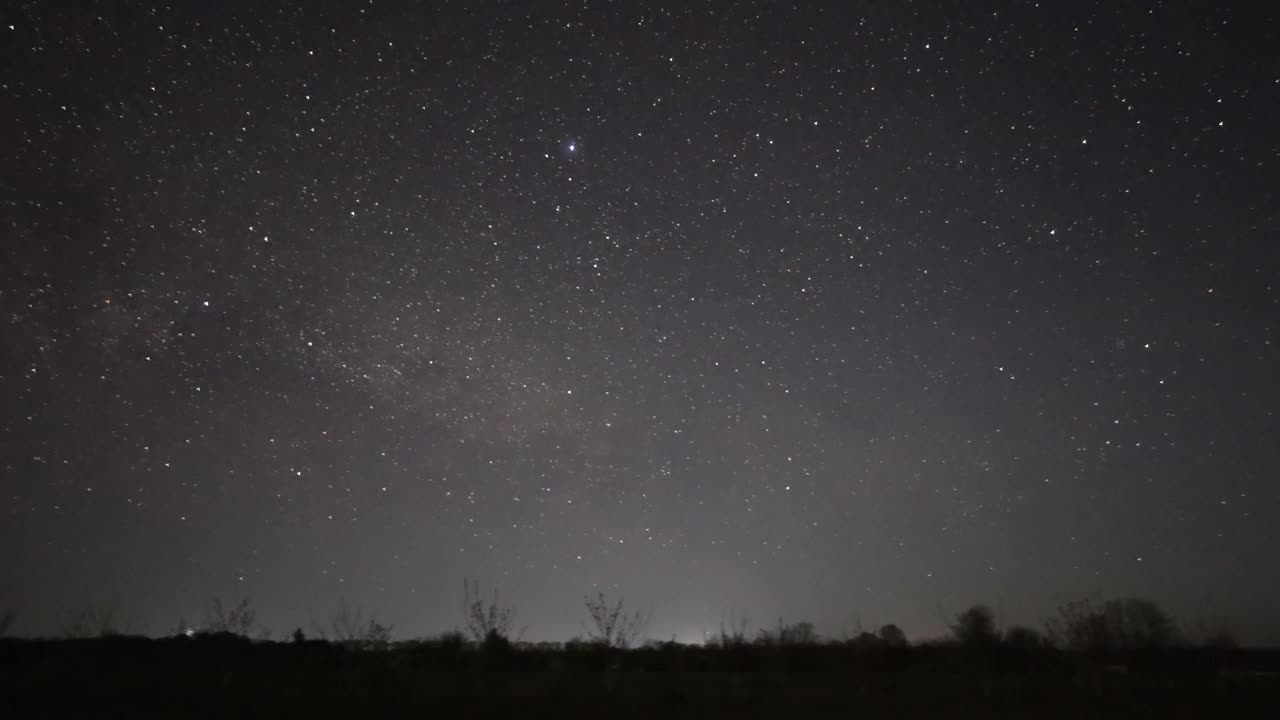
(854, 314)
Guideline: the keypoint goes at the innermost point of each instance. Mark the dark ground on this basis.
(230, 676)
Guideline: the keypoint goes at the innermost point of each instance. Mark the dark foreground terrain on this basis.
(228, 676)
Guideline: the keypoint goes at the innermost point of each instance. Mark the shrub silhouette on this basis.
(976, 627)
(6, 622)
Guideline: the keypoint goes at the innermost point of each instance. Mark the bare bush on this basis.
(238, 620)
(734, 634)
(612, 626)
(348, 626)
(344, 625)
(486, 622)
(99, 621)
(375, 635)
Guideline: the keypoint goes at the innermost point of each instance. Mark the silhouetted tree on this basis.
(1020, 637)
(485, 622)
(612, 626)
(495, 642)
(452, 640)
(892, 636)
(1124, 624)
(866, 641)
(976, 627)
(798, 633)
(6, 622)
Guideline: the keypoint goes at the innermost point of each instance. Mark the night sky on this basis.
(860, 312)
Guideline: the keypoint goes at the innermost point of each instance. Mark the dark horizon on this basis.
(839, 313)
(1135, 626)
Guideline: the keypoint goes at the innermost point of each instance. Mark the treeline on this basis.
(1120, 658)
(1120, 625)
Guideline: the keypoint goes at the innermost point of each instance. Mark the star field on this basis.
(841, 312)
